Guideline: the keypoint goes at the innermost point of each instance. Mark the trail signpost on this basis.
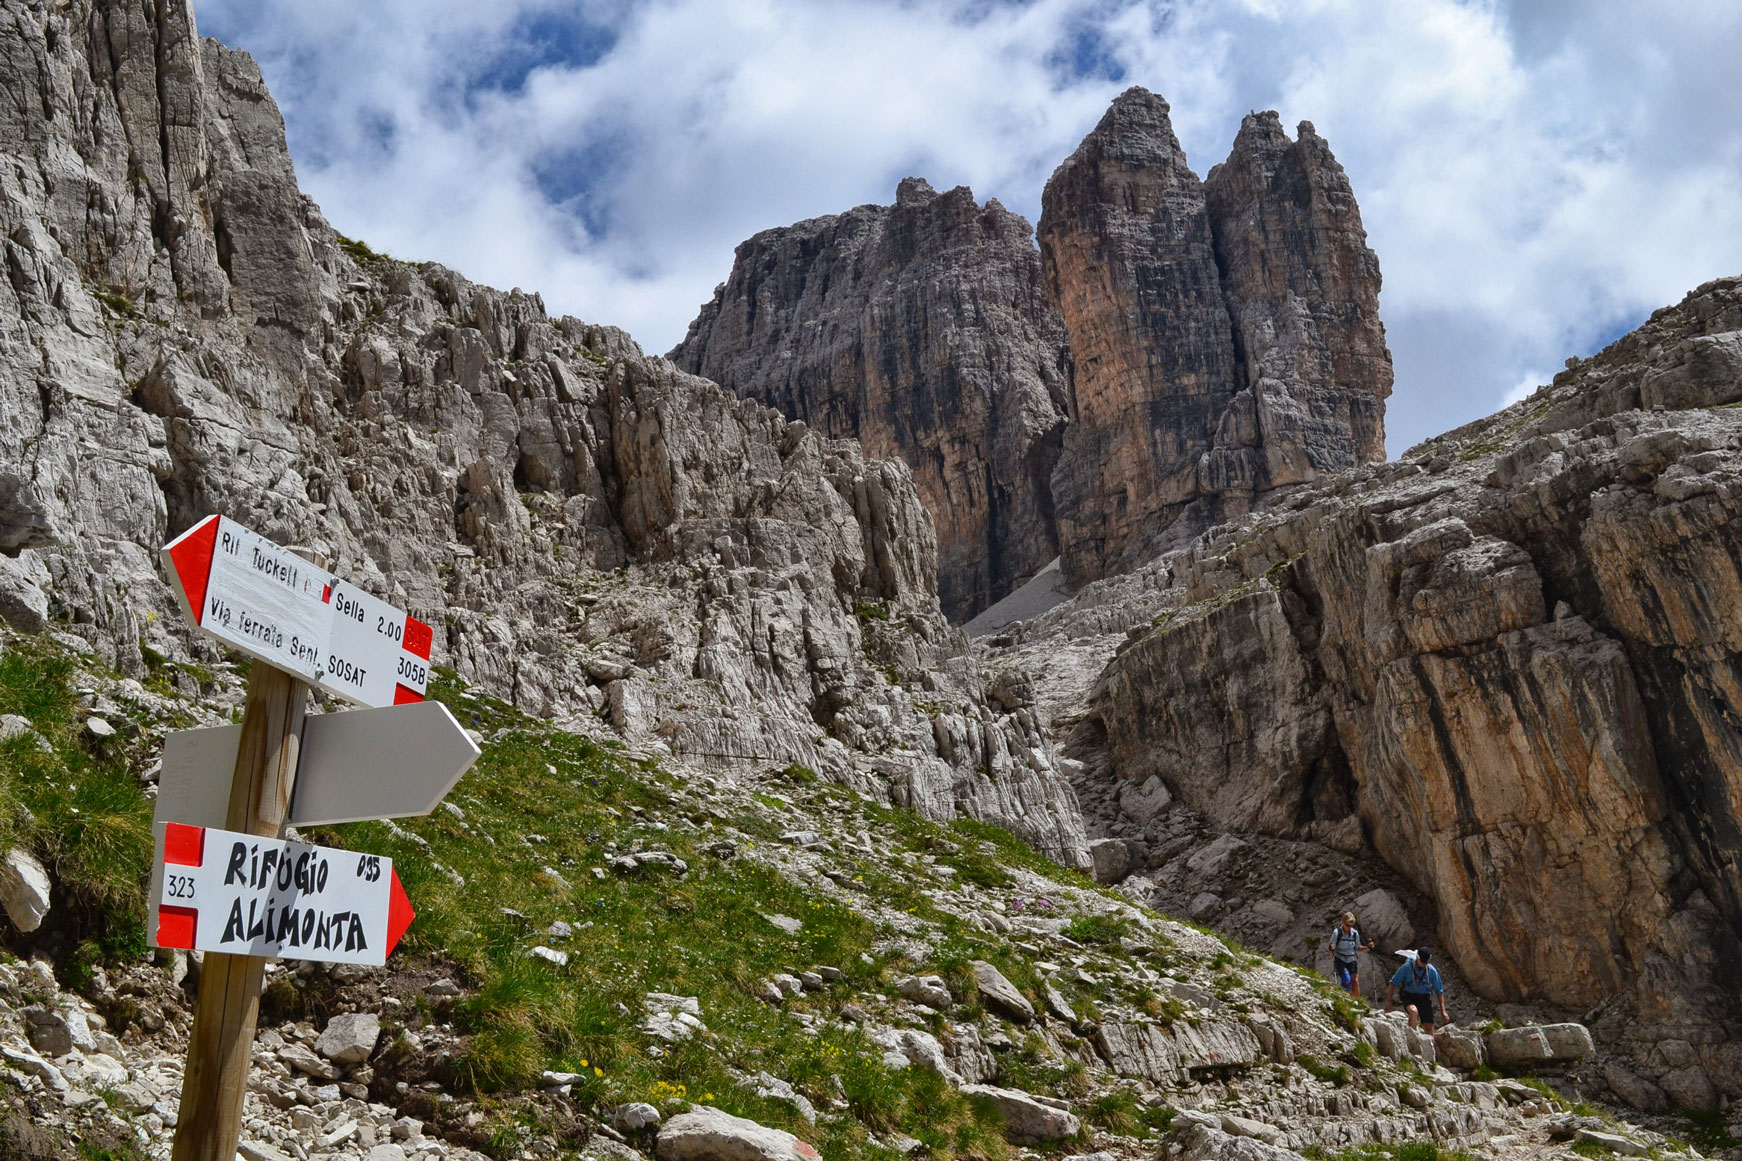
(281, 609)
(243, 895)
(225, 882)
(377, 763)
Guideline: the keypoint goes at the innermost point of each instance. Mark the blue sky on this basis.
(1536, 178)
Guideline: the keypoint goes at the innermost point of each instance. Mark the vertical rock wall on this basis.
(1225, 335)
(1516, 650)
(919, 329)
(1223, 342)
(1130, 260)
(1302, 289)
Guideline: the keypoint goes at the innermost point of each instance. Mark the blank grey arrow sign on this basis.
(379, 763)
(392, 762)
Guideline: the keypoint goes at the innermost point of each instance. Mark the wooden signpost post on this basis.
(303, 627)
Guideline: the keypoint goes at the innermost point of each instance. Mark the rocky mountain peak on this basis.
(1137, 129)
(914, 191)
(1225, 340)
(1302, 290)
(921, 330)
(1225, 334)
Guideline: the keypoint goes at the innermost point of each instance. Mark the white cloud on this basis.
(1534, 177)
(1525, 387)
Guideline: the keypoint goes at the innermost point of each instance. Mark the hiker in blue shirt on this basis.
(1345, 946)
(1416, 985)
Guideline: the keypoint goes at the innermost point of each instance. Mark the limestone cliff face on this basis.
(1225, 336)
(601, 537)
(1223, 342)
(1302, 290)
(1512, 656)
(1130, 260)
(919, 329)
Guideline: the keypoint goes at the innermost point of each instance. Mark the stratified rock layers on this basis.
(1225, 337)
(1514, 655)
(921, 330)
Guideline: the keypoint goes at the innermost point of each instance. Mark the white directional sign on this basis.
(376, 654)
(374, 763)
(224, 891)
(272, 605)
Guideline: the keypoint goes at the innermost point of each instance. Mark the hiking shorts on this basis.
(1424, 1005)
(1346, 971)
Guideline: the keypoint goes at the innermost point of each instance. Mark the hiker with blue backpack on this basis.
(1417, 985)
(1346, 945)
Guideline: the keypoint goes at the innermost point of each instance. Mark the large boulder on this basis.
(707, 1134)
(1140, 1050)
(1459, 1048)
(1518, 1047)
(1001, 994)
(1568, 1041)
(1112, 859)
(349, 1037)
(24, 889)
(1382, 918)
(1146, 801)
(1634, 1089)
(47, 1031)
(921, 1048)
(1216, 1044)
(1200, 1137)
(928, 990)
(1690, 1087)
(1026, 1119)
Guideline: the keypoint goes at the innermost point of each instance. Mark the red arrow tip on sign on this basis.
(399, 913)
(191, 554)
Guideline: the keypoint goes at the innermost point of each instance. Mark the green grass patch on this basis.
(1708, 1132)
(539, 820)
(359, 250)
(701, 934)
(1098, 929)
(1346, 1011)
(117, 302)
(72, 800)
(1119, 1111)
(1337, 1074)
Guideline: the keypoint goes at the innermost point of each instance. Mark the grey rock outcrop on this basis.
(349, 1037)
(921, 330)
(1503, 656)
(1302, 290)
(1025, 1118)
(182, 333)
(707, 1134)
(24, 886)
(1225, 336)
(999, 992)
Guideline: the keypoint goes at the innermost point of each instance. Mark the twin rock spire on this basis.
(1177, 349)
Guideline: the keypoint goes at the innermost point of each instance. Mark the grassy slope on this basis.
(703, 934)
(542, 809)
